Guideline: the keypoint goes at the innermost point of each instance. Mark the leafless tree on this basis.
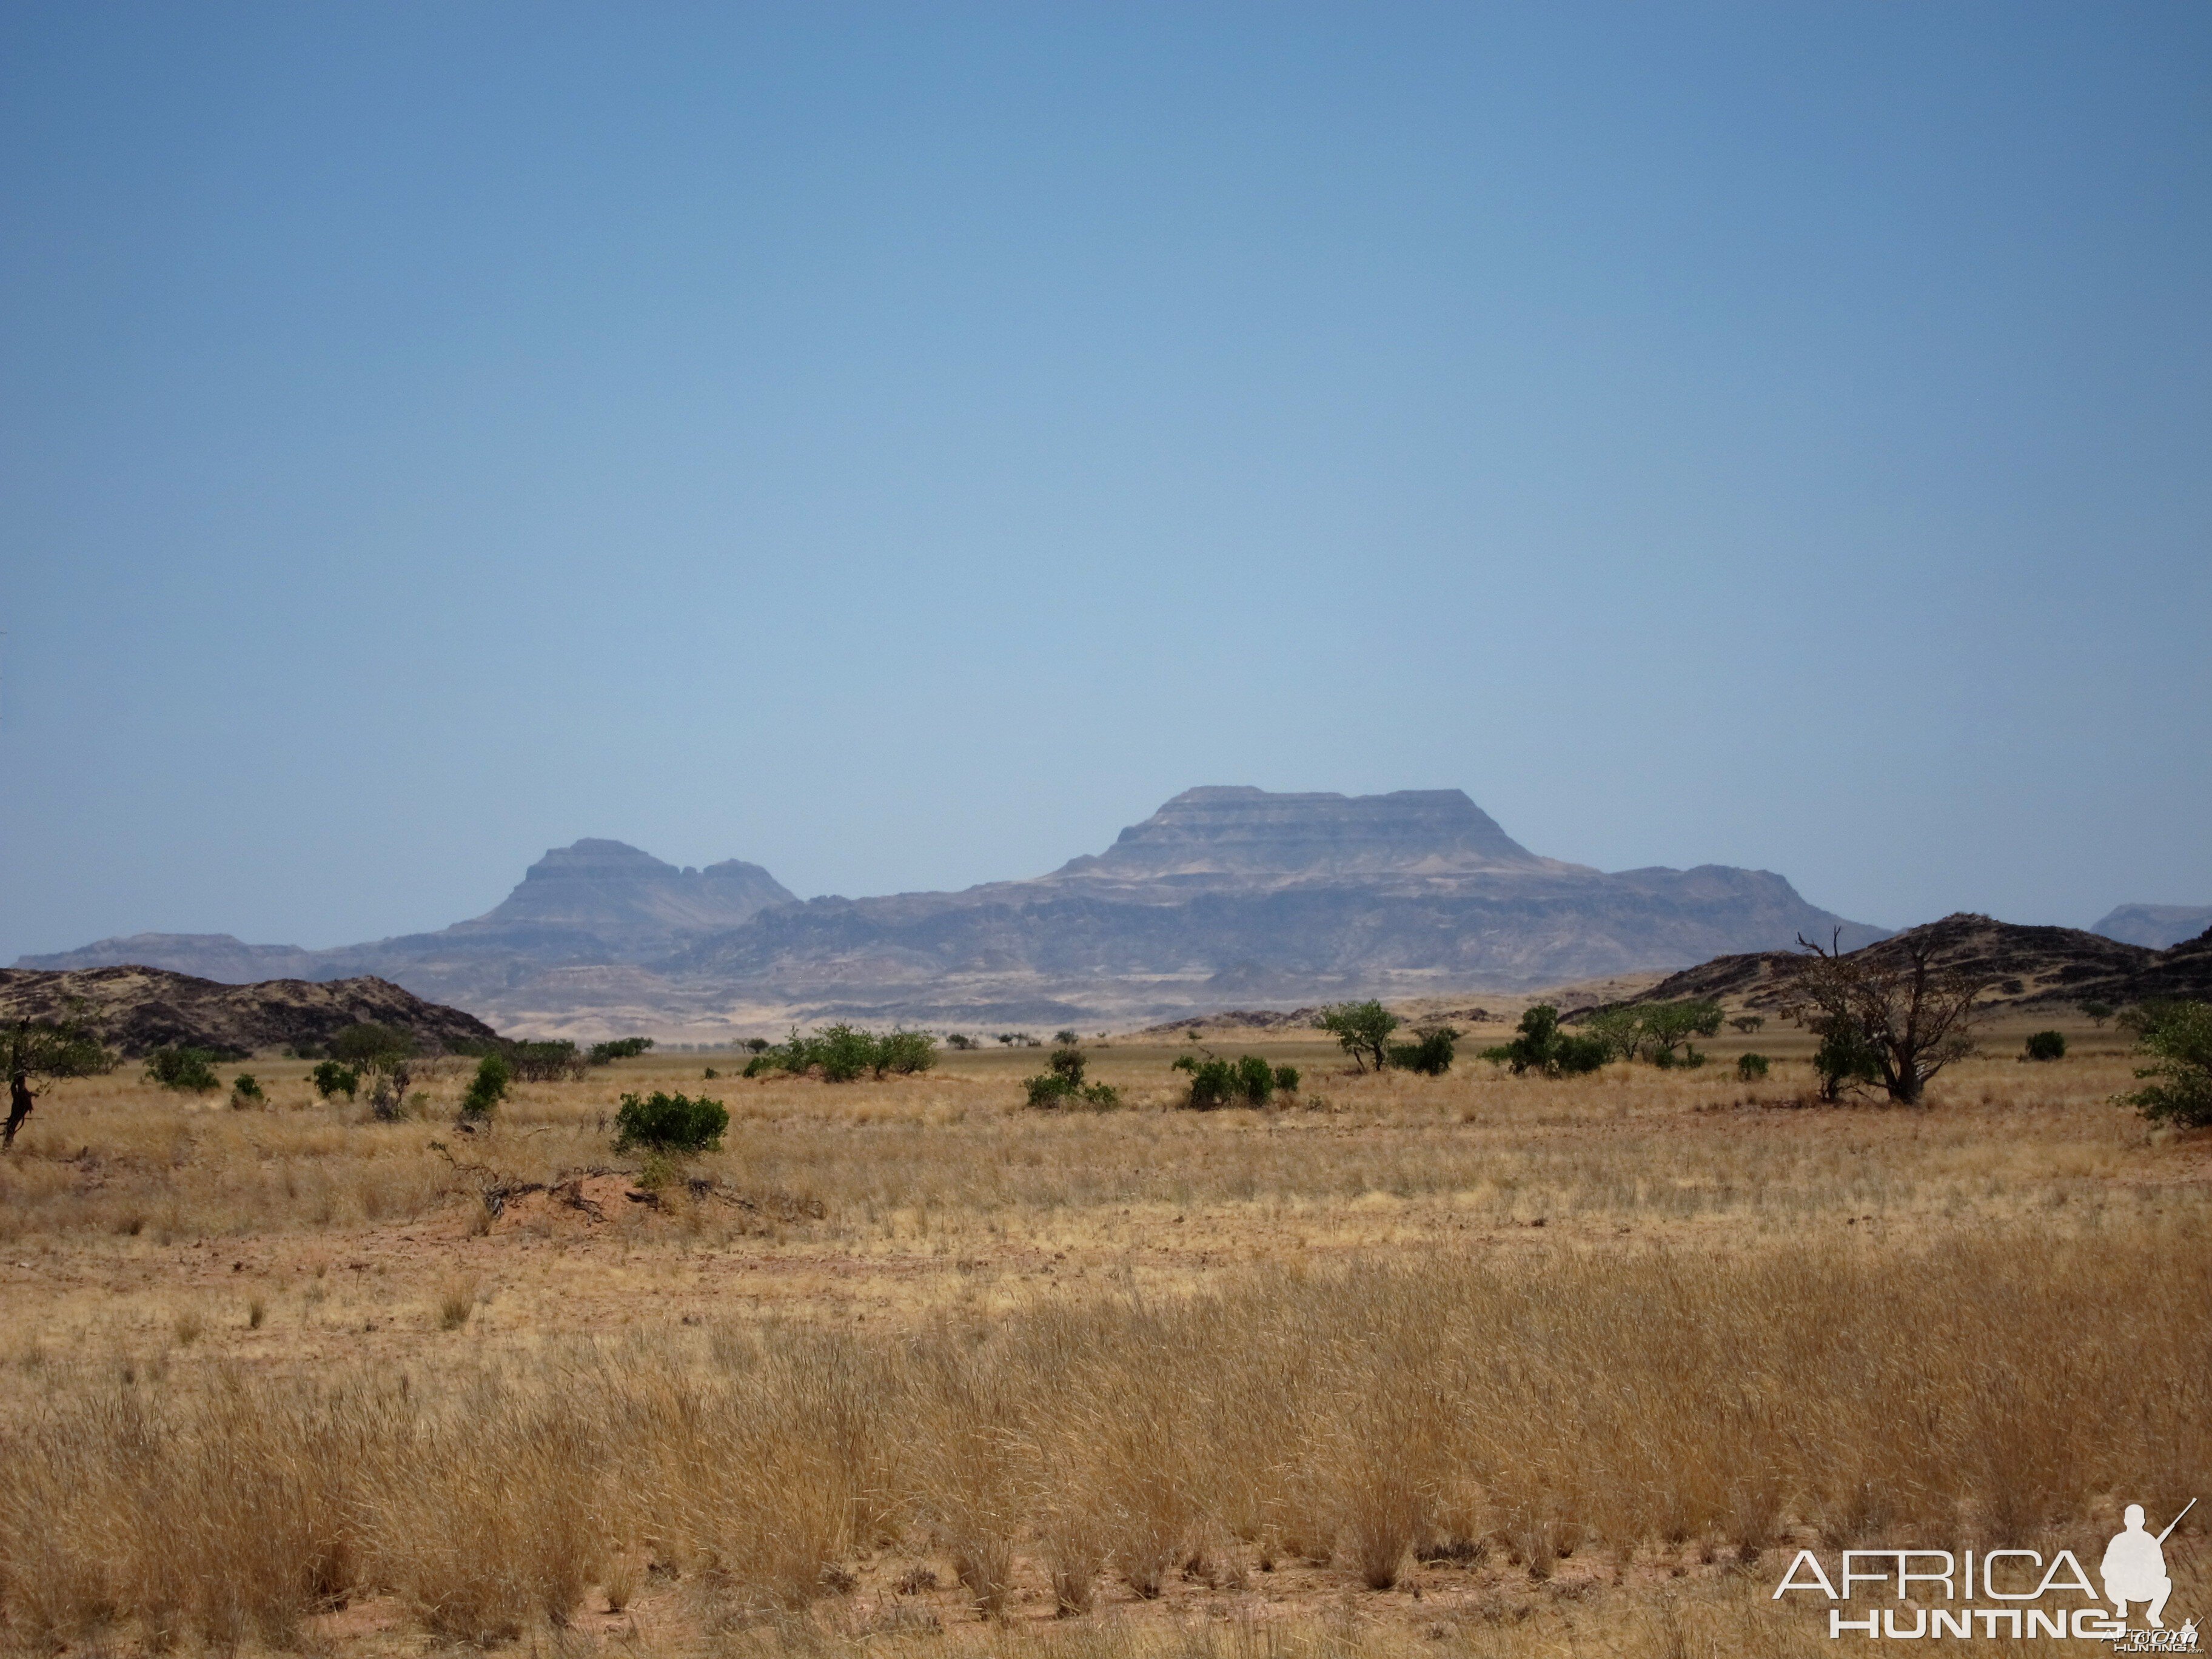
(1914, 1016)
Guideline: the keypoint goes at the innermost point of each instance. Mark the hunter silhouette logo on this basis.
(2017, 1581)
(2135, 1566)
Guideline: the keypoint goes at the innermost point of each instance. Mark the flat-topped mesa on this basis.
(1237, 830)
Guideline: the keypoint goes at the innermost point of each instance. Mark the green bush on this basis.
(1750, 1067)
(1255, 1079)
(1620, 1030)
(2098, 1012)
(1063, 1084)
(604, 1054)
(545, 1061)
(331, 1078)
(2046, 1045)
(1577, 1055)
(487, 1087)
(1668, 1026)
(1286, 1079)
(1844, 1060)
(844, 1053)
(183, 1068)
(1430, 1054)
(246, 1091)
(1541, 1047)
(1248, 1080)
(906, 1053)
(2176, 1037)
(372, 1047)
(670, 1124)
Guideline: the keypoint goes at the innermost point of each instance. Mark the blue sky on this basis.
(899, 446)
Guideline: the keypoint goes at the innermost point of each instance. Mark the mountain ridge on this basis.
(1225, 895)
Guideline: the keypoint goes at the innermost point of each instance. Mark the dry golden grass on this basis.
(1494, 1365)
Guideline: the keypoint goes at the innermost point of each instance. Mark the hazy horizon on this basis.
(901, 449)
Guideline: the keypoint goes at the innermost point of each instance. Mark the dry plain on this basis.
(1470, 1364)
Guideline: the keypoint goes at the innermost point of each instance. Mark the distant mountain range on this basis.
(1225, 897)
(2155, 925)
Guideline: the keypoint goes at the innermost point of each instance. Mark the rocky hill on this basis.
(137, 1009)
(2020, 965)
(2155, 925)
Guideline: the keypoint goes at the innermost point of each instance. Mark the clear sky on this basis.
(902, 446)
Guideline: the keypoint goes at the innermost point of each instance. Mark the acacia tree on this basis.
(38, 1050)
(1362, 1029)
(1912, 1016)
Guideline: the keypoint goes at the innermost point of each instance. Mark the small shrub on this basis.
(1578, 1056)
(183, 1068)
(1064, 1085)
(1542, 1048)
(487, 1087)
(845, 1053)
(961, 1040)
(907, 1052)
(2176, 1036)
(372, 1047)
(332, 1077)
(1430, 1054)
(1845, 1059)
(2046, 1045)
(1750, 1067)
(455, 1304)
(670, 1123)
(388, 1092)
(1066, 1039)
(710, 1074)
(1749, 1022)
(1286, 1079)
(547, 1060)
(2098, 1013)
(630, 1048)
(245, 1091)
(1248, 1080)
(1668, 1026)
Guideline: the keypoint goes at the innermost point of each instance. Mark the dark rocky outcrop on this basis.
(2019, 964)
(136, 1008)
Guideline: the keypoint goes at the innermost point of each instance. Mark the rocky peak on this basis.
(631, 898)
